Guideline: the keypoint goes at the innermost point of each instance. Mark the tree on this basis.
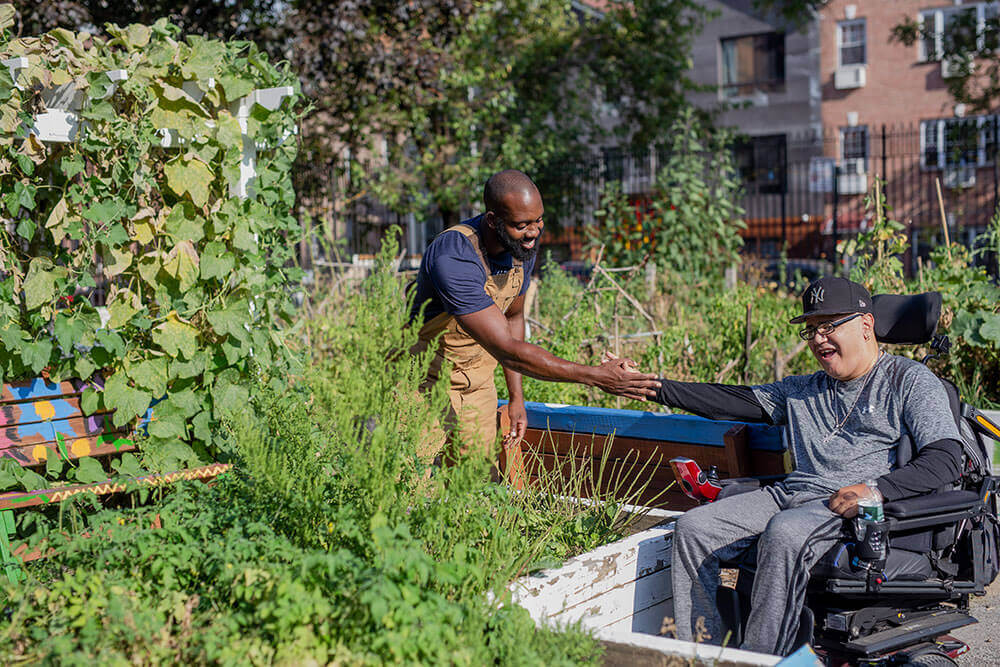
(970, 48)
(444, 92)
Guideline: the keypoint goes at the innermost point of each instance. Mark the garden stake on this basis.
(944, 218)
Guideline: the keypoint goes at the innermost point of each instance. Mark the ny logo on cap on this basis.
(816, 295)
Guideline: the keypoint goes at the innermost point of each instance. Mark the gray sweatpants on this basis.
(795, 528)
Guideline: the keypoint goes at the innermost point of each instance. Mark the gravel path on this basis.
(983, 637)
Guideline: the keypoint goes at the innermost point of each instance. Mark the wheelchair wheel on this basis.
(931, 659)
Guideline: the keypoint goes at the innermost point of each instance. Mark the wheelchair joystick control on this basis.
(870, 529)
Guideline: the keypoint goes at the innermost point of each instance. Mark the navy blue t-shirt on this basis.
(452, 279)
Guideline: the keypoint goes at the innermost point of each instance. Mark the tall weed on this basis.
(332, 541)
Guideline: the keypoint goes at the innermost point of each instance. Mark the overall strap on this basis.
(476, 242)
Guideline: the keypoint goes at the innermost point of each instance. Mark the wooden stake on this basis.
(944, 218)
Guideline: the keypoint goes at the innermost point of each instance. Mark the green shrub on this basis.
(195, 279)
(690, 223)
(331, 542)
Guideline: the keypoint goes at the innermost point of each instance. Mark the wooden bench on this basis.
(40, 420)
(636, 447)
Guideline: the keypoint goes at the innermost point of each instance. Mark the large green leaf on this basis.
(150, 374)
(182, 264)
(121, 309)
(216, 261)
(176, 337)
(69, 328)
(229, 398)
(189, 176)
(228, 131)
(234, 87)
(40, 283)
(990, 329)
(89, 471)
(205, 58)
(105, 211)
(36, 355)
(184, 223)
(127, 402)
(232, 320)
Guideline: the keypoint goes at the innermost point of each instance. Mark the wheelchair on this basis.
(942, 547)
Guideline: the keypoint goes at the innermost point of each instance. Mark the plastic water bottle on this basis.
(870, 525)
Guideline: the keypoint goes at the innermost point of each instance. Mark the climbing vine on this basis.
(124, 256)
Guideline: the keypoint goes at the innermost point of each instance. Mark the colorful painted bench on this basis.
(41, 419)
(572, 439)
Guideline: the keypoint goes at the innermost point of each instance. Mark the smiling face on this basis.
(849, 350)
(518, 223)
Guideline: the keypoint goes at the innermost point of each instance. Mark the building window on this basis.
(851, 43)
(950, 142)
(974, 20)
(761, 163)
(854, 146)
(753, 63)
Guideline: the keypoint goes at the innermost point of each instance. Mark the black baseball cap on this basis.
(834, 296)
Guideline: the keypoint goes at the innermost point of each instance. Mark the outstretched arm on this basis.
(490, 328)
(715, 401)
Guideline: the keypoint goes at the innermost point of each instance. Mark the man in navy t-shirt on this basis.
(471, 284)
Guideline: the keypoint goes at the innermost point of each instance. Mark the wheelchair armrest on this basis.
(933, 510)
(934, 503)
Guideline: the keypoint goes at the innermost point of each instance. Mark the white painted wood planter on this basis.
(621, 591)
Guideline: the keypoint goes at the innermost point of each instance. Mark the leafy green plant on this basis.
(877, 251)
(972, 318)
(193, 279)
(331, 542)
(691, 221)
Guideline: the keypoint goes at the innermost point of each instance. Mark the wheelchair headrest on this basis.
(906, 319)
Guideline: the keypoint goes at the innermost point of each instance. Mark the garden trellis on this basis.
(61, 120)
(155, 170)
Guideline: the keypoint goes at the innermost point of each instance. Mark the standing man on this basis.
(473, 278)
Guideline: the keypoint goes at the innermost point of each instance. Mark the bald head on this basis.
(507, 187)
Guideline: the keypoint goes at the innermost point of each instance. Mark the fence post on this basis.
(885, 173)
(996, 198)
(833, 228)
(784, 192)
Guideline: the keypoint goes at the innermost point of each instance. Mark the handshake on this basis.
(621, 377)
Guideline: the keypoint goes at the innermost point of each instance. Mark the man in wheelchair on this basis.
(843, 425)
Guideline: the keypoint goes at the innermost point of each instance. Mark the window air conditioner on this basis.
(960, 176)
(851, 76)
(852, 178)
(956, 66)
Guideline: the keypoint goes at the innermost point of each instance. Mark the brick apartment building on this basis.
(827, 107)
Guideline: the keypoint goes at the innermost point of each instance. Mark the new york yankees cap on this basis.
(834, 296)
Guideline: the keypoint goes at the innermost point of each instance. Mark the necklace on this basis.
(868, 376)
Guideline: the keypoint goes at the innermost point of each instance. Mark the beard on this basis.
(514, 247)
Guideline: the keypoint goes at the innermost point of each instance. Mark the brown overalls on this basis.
(472, 392)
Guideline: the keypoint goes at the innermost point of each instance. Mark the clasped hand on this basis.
(845, 501)
(622, 378)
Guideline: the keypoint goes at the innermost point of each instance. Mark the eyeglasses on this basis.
(826, 328)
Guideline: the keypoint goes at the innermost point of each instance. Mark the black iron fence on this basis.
(801, 193)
